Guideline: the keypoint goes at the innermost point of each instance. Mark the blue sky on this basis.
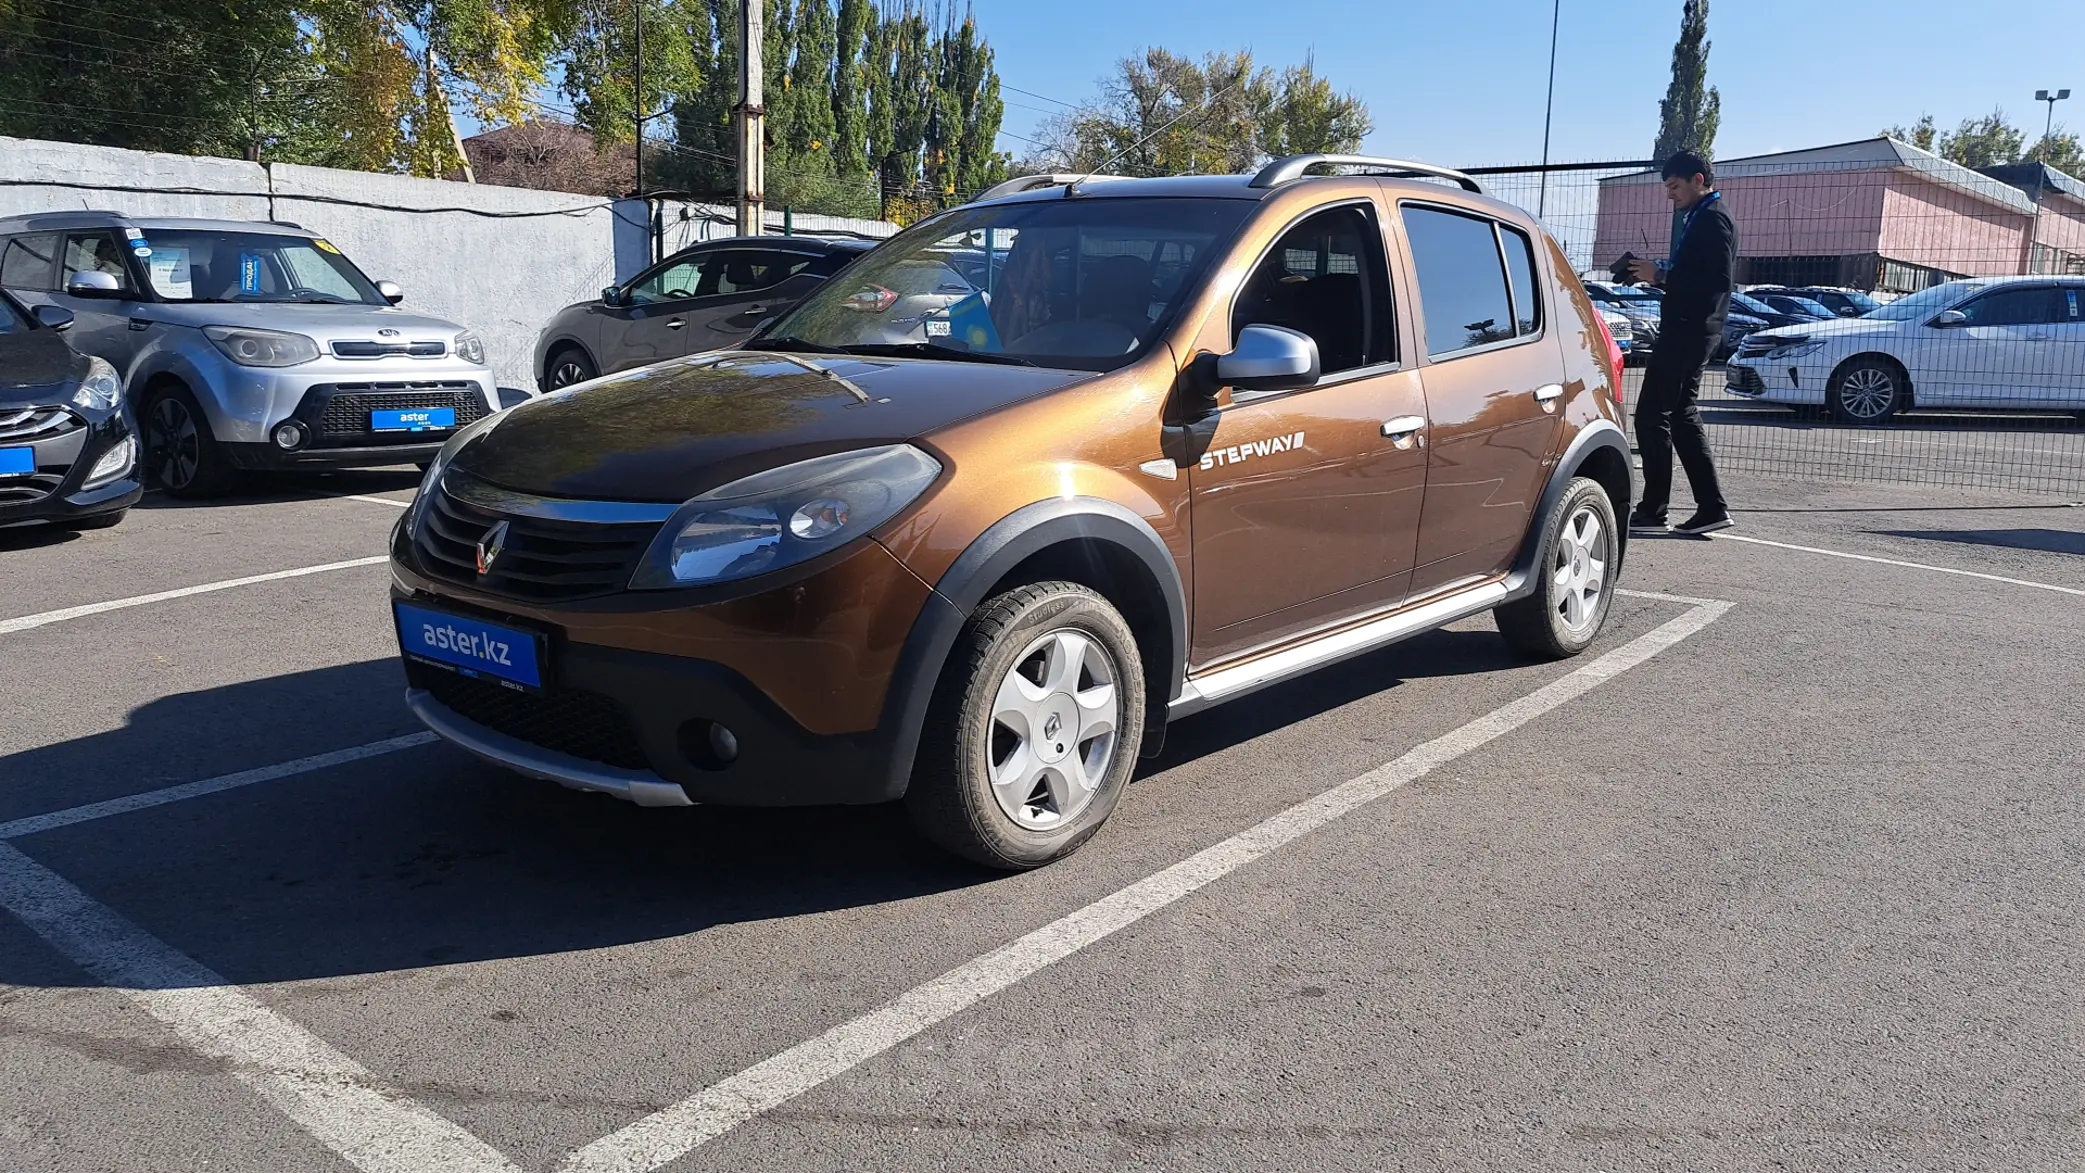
(1461, 82)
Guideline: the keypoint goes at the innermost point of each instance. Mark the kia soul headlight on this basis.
(784, 516)
(261, 348)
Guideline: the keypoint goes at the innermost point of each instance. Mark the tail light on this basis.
(871, 299)
(1614, 357)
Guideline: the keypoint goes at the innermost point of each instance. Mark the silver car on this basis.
(248, 346)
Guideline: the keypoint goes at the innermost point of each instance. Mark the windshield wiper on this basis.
(786, 343)
(936, 350)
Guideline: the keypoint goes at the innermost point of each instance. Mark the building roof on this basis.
(2036, 179)
(1872, 154)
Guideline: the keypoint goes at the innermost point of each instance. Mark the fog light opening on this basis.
(290, 435)
(708, 744)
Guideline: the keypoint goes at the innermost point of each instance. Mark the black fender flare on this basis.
(1600, 434)
(1008, 543)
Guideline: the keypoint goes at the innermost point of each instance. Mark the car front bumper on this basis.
(1797, 384)
(63, 458)
(244, 404)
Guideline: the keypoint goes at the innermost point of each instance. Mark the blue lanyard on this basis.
(1688, 224)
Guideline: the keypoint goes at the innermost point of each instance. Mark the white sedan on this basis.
(2005, 342)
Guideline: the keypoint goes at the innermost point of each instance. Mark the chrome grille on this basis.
(540, 559)
(37, 423)
(365, 348)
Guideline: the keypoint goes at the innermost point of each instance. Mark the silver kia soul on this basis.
(249, 345)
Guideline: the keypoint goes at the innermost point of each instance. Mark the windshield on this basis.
(1860, 301)
(205, 266)
(1752, 305)
(1081, 283)
(1627, 293)
(1925, 302)
(1803, 305)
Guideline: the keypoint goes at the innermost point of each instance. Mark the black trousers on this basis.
(1668, 419)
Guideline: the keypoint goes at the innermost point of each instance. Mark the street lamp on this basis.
(2049, 127)
(2034, 234)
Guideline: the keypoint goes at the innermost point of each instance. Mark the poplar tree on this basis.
(1688, 115)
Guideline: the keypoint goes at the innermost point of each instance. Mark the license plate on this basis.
(413, 419)
(471, 646)
(17, 462)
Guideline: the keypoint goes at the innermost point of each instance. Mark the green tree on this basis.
(2060, 149)
(1989, 141)
(1921, 135)
(1312, 118)
(1688, 115)
(599, 61)
(809, 135)
(851, 49)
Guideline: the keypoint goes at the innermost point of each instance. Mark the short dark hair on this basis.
(1686, 165)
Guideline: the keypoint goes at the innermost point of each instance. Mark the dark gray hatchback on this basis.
(703, 298)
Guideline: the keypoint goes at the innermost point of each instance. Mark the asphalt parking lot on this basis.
(1787, 872)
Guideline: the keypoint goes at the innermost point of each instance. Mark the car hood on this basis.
(1840, 328)
(35, 365)
(324, 323)
(677, 429)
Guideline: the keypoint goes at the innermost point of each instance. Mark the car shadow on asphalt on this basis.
(429, 857)
(35, 537)
(2051, 541)
(293, 486)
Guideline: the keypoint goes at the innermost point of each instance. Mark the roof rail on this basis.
(1283, 170)
(1037, 183)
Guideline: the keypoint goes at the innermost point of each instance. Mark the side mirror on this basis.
(54, 317)
(1848, 311)
(102, 285)
(1269, 358)
(390, 291)
(611, 295)
(1951, 318)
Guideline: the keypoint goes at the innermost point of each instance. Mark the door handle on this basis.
(1404, 430)
(675, 324)
(141, 323)
(1548, 392)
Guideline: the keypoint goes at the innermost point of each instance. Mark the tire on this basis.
(98, 521)
(1029, 664)
(181, 455)
(1867, 391)
(566, 366)
(1574, 580)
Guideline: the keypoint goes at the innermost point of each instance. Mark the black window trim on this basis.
(1372, 210)
(1498, 244)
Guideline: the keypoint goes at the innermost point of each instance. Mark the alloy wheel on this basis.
(176, 445)
(1053, 729)
(566, 373)
(1579, 576)
(1868, 393)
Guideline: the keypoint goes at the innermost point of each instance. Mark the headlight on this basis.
(428, 482)
(113, 463)
(261, 348)
(1794, 349)
(784, 516)
(469, 349)
(101, 390)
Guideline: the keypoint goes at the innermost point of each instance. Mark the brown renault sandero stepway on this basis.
(971, 524)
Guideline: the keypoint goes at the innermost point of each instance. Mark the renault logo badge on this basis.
(489, 547)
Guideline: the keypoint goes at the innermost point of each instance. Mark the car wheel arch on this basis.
(557, 350)
(1907, 394)
(1600, 451)
(1089, 540)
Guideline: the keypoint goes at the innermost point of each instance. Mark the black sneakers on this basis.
(1644, 523)
(1704, 523)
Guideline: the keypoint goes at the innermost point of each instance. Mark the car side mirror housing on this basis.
(390, 291)
(611, 295)
(1269, 358)
(1951, 318)
(54, 317)
(103, 285)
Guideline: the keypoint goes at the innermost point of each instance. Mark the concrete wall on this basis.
(496, 260)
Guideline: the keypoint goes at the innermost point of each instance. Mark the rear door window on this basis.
(1463, 290)
(1527, 293)
(28, 261)
(744, 270)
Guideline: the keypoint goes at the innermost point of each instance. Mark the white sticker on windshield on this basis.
(168, 268)
(132, 234)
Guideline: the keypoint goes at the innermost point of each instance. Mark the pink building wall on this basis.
(1896, 212)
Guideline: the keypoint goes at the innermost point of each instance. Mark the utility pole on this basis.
(2034, 233)
(1556, 13)
(637, 105)
(752, 115)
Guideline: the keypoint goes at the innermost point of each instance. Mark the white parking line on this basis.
(376, 500)
(337, 1100)
(10, 626)
(186, 790)
(2040, 586)
(672, 1132)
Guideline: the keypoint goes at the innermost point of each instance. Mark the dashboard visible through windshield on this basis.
(203, 266)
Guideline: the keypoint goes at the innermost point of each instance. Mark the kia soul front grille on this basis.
(539, 560)
(341, 411)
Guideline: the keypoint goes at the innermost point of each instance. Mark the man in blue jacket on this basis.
(1697, 279)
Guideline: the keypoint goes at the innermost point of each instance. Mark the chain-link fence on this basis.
(1899, 317)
